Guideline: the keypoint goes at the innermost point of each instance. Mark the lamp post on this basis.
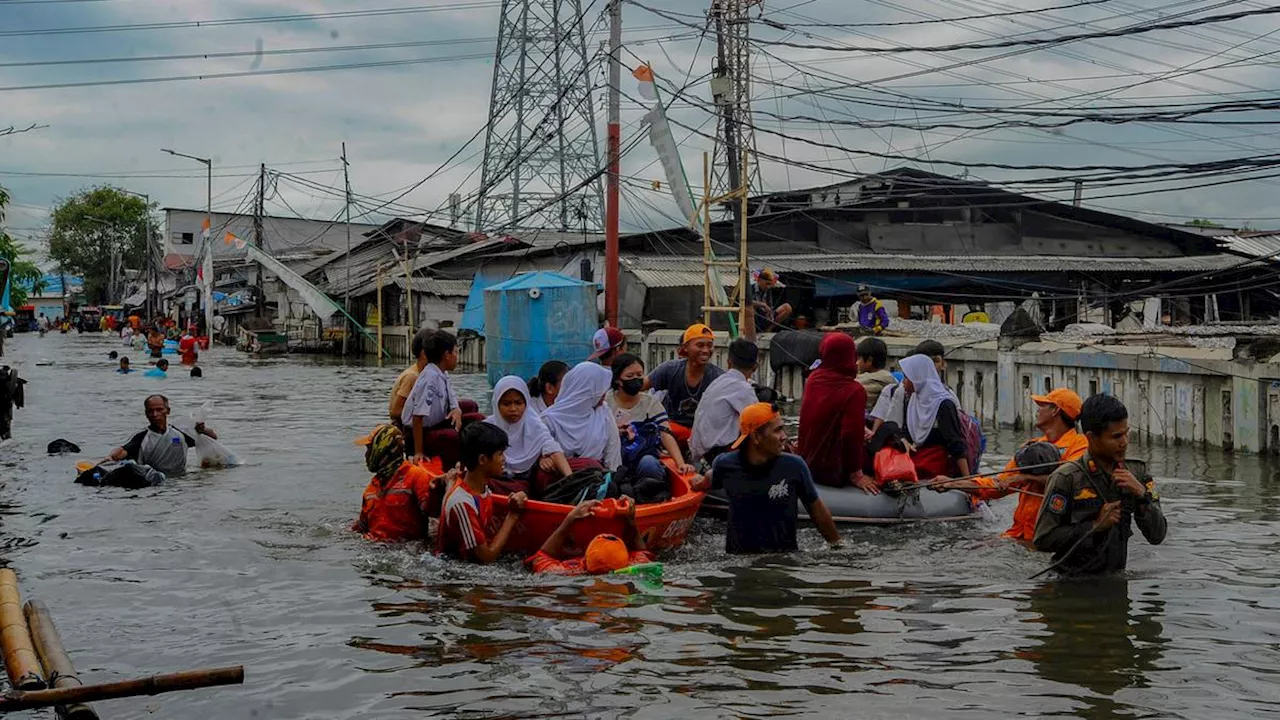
(207, 249)
(146, 228)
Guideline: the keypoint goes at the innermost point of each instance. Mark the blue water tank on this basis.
(535, 317)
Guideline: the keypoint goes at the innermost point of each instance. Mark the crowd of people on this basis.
(608, 430)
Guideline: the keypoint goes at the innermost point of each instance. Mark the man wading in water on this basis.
(1090, 504)
(161, 446)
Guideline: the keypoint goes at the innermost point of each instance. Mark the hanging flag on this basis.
(231, 239)
(664, 143)
(204, 228)
(644, 74)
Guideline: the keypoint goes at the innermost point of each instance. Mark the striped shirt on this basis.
(463, 520)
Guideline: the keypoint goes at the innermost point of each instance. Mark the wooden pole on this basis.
(20, 659)
(156, 684)
(381, 319)
(57, 664)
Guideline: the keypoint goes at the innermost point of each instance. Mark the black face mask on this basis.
(633, 386)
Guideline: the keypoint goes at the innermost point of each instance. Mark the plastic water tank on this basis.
(536, 317)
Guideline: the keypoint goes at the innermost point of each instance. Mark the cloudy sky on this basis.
(401, 121)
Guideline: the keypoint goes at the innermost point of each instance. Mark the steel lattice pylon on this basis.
(731, 90)
(540, 146)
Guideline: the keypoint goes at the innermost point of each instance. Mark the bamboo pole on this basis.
(156, 684)
(20, 659)
(57, 664)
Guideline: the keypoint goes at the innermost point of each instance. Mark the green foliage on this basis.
(89, 227)
(22, 272)
(1201, 222)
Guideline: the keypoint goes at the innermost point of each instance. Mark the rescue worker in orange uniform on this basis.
(1056, 416)
(402, 497)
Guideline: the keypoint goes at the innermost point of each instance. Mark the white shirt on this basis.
(715, 423)
(890, 406)
(537, 405)
(431, 398)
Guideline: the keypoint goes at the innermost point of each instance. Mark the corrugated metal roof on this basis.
(1259, 246)
(428, 286)
(674, 271)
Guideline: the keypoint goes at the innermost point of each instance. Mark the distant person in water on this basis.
(187, 347)
(161, 369)
(124, 366)
(113, 355)
(161, 446)
(545, 386)
(197, 372)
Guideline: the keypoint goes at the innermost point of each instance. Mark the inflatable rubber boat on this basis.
(661, 525)
(852, 506)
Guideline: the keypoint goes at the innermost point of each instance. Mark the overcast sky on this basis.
(401, 122)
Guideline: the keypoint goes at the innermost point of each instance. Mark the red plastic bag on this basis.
(893, 464)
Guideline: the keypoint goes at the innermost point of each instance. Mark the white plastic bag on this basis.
(209, 452)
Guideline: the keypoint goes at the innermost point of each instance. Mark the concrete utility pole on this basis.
(206, 252)
(258, 204)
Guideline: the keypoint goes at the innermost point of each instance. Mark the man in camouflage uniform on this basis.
(1091, 504)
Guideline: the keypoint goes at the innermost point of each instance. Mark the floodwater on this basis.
(255, 566)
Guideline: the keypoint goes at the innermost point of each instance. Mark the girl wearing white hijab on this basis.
(933, 421)
(580, 421)
(529, 443)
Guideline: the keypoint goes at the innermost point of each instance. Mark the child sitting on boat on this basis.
(432, 414)
(604, 554)
(530, 447)
(581, 423)
(545, 386)
(642, 423)
(468, 505)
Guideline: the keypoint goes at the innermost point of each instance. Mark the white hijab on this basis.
(580, 426)
(922, 408)
(528, 439)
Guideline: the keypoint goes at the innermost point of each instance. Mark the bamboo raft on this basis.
(42, 675)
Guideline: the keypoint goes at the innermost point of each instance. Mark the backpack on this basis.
(975, 442)
(647, 441)
(585, 484)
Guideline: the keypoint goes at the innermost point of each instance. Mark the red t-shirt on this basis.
(397, 510)
(463, 520)
(544, 563)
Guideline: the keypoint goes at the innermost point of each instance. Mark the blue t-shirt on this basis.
(762, 501)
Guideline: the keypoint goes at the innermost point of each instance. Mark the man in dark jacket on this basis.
(1091, 504)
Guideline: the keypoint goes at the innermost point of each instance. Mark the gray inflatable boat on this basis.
(852, 506)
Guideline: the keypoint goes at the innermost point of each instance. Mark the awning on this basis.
(137, 299)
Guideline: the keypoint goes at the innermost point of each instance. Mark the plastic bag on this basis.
(892, 464)
(209, 452)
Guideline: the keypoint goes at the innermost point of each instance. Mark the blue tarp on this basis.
(473, 315)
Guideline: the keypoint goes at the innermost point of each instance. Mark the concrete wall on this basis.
(1174, 395)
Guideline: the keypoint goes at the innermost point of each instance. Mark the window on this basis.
(181, 238)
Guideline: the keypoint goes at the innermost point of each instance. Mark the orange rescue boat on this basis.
(661, 525)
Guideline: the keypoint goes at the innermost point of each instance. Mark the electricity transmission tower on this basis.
(541, 158)
(731, 91)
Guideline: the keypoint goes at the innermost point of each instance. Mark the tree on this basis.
(1201, 222)
(22, 273)
(98, 230)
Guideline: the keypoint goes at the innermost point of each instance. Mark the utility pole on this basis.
(614, 150)
(346, 178)
(207, 249)
(731, 91)
(260, 301)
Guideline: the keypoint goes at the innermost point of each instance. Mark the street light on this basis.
(151, 273)
(208, 240)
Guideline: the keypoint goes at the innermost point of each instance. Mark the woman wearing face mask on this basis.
(581, 423)
(545, 386)
(530, 446)
(632, 406)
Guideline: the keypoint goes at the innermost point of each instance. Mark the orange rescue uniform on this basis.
(399, 510)
(1071, 446)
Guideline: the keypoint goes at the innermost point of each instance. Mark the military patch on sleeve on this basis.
(1151, 488)
(1057, 503)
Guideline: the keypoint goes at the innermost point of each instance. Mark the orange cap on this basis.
(752, 419)
(368, 439)
(696, 331)
(606, 553)
(1066, 401)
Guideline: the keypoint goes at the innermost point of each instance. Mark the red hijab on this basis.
(833, 414)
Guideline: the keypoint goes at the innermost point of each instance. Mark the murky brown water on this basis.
(255, 566)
